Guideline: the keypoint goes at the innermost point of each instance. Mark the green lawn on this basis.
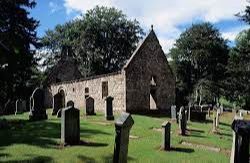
(39, 141)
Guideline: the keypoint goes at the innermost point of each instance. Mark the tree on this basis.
(17, 39)
(238, 71)
(200, 56)
(101, 40)
(245, 16)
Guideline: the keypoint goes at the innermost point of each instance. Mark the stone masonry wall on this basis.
(75, 91)
(149, 61)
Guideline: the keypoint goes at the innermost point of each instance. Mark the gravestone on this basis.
(182, 121)
(189, 111)
(173, 112)
(122, 127)
(90, 106)
(241, 114)
(109, 108)
(217, 118)
(70, 103)
(166, 131)
(70, 126)
(38, 111)
(214, 120)
(240, 146)
(20, 106)
(208, 112)
(57, 103)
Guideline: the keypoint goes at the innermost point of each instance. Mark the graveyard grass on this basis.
(40, 141)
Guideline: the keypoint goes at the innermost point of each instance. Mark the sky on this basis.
(169, 17)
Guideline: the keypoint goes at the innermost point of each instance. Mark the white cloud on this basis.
(167, 15)
(233, 32)
(54, 7)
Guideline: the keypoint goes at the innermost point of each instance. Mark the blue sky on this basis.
(169, 17)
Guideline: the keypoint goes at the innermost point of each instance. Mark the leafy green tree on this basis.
(200, 56)
(238, 73)
(17, 41)
(101, 40)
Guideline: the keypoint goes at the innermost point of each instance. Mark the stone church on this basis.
(145, 82)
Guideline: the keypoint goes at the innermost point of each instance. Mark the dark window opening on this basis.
(86, 92)
(104, 89)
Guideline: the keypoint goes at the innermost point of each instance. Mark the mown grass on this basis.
(39, 141)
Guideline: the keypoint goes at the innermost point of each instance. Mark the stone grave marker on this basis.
(70, 103)
(182, 121)
(38, 111)
(173, 112)
(189, 111)
(166, 131)
(90, 106)
(122, 127)
(70, 126)
(217, 118)
(240, 145)
(57, 103)
(214, 120)
(20, 106)
(109, 108)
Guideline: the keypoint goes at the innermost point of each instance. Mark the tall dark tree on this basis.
(200, 57)
(238, 80)
(101, 40)
(17, 39)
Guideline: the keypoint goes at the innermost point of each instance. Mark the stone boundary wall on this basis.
(75, 90)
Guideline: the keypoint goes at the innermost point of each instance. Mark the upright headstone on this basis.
(109, 108)
(217, 118)
(122, 127)
(182, 121)
(189, 111)
(70, 126)
(58, 103)
(166, 131)
(240, 146)
(173, 112)
(241, 114)
(90, 106)
(20, 106)
(38, 111)
(214, 120)
(70, 103)
(208, 112)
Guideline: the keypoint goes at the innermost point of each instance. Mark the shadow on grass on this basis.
(92, 144)
(85, 158)
(225, 124)
(185, 150)
(34, 159)
(195, 130)
(44, 134)
(109, 158)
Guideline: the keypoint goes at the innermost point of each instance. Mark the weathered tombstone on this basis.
(182, 121)
(20, 106)
(70, 126)
(241, 114)
(90, 106)
(166, 131)
(38, 111)
(58, 103)
(217, 118)
(109, 108)
(214, 120)
(208, 112)
(122, 128)
(70, 103)
(240, 146)
(173, 112)
(189, 111)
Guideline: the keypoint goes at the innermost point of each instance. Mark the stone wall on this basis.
(75, 91)
(149, 61)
